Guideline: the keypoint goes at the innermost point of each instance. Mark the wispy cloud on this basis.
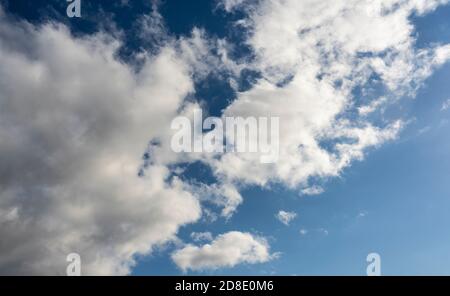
(445, 105)
(201, 236)
(313, 190)
(285, 217)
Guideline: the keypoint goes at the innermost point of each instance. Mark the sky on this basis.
(86, 104)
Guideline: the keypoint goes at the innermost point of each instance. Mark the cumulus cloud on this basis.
(75, 123)
(86, 163)
(223, 194)
(227, 250)
(285, 217)
(85, 150)
(312, 56)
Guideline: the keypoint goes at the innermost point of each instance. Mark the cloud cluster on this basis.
(75, 123)
(326, 67)
(86, 165)
(227, 250)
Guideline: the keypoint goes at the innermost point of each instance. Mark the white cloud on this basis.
(202, 236)
(372, 107)
(362, 214)
(227, 250)
(445, 105)
(285, 217)
(224, 195)
(303, 231)
(313, 190)
(75, 123)
(231, 5)
(312, 56)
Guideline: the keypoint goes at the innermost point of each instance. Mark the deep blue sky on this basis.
(396, 202)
